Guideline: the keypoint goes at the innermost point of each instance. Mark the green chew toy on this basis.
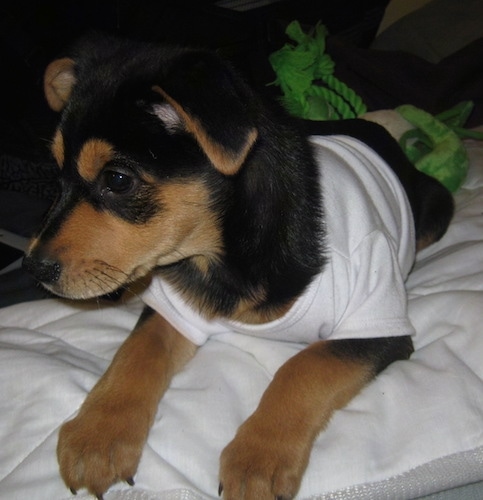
(434, 146)
(305, 75)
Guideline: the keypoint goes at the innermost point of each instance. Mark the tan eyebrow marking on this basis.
(57, 148)
(95, 153)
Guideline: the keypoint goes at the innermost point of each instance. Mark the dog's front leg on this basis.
(103, 443)
(269, 454)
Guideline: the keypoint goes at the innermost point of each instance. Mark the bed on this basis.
(416, 431)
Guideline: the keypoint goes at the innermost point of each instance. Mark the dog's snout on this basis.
(43, 270)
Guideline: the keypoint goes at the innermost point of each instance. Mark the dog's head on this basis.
(148, 141)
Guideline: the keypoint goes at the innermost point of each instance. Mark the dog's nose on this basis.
(43, 270)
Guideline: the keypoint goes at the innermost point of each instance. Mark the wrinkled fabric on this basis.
(415, 430)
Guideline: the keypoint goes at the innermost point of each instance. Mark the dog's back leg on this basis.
(435, 210)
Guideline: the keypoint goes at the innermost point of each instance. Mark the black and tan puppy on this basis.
(171, 164)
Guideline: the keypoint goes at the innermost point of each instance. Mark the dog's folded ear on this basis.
(204, 97)
(200, 94)
(59, 79)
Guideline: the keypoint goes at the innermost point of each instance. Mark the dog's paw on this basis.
(263, 463)
(100, 447)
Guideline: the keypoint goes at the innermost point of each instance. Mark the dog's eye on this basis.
(117, 182)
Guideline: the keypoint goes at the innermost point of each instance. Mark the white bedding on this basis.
(417, 429)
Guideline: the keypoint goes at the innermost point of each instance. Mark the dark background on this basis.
(34, 32)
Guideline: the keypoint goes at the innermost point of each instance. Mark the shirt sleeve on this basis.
(377, 300)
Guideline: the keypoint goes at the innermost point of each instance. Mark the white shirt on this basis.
(370, 245)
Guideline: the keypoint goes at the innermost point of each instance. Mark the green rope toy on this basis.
(311, 91)
(434, 146)
(305, 76)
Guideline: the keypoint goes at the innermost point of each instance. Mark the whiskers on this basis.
(97, 280)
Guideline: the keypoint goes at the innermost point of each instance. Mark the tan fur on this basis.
(129, 392)
(95, 153)
(425, 242)
(228, 163)
(57, 148)
(59, 79)
(193, 228)
(248, 310)
(271, 449)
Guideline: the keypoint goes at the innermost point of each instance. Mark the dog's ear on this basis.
(204, 97)
(59, 78)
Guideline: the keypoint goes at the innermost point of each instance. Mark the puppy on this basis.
(170, 164)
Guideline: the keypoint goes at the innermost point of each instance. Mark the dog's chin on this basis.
(78, 288)
(73, 293)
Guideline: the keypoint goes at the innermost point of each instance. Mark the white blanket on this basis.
(417, 429)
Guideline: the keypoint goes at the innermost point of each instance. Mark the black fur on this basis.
(378, 352)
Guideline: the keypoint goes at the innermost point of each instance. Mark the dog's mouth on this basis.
(84, 280)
